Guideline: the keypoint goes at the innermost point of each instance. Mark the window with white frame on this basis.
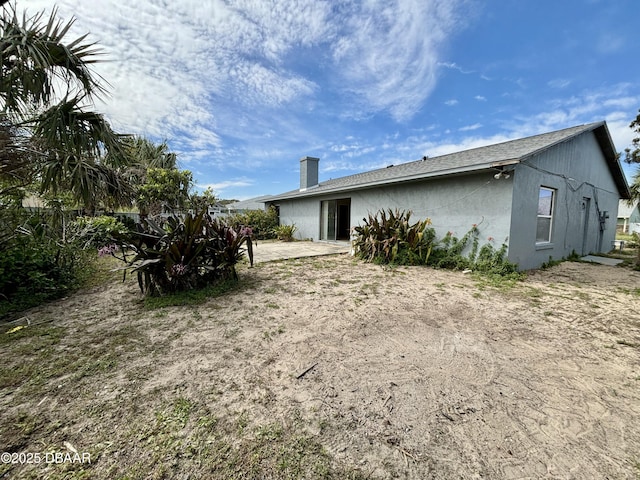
(546, 201)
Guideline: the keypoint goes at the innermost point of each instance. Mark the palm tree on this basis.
(143, 154)
(46, 90)
(154, 163)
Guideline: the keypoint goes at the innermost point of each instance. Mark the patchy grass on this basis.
(184, 438)
(630, 291)
(502, 283)
(191, 297)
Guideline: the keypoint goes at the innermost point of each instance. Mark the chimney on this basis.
(308, 173)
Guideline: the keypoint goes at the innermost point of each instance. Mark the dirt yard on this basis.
(331, 368)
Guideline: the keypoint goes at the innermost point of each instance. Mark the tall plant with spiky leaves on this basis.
(388, 235)
(184, 252)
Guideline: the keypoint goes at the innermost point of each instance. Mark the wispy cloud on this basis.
(250, 86)
(333, 166)
(233, 183)
(615, 103)
(588, 106)
(352, 150)
(454, 66)
(212, 77)
(610, 43)
(559, 83)
(470, 128)
(387, 52)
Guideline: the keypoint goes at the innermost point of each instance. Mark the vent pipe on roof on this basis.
(308, 173)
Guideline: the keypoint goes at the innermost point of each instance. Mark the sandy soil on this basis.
(400, 373)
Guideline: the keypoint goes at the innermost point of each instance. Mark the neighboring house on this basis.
(545, 196)
(33, 202)
(628, 217)
(257, 203)
(217, 209)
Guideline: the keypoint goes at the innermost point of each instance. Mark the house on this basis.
(628, 217)
(545, 196)
(256, 203)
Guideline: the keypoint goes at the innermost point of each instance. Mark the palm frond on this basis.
(90, 183)
(34, 54)
(67, 127)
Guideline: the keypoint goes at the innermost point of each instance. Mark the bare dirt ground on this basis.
(332, 368)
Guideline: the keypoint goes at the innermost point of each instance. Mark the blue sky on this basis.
(243, 89)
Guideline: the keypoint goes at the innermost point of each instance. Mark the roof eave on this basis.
(606, 144)
(409, 178)
(603, 137)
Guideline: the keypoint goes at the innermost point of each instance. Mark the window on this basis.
(546, 200)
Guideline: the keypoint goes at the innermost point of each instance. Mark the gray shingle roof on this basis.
(481, 158)
(256, 203)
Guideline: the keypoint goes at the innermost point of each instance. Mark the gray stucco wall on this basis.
(452, 203)
(576, 170)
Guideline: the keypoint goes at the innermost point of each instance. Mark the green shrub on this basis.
(448, 252)
(128, 222)
(285, 233)
(185, 253)
(262, 222)
(493, 261)
(37, 263)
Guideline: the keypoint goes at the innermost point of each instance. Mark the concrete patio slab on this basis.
(269, 251)
(601, 260)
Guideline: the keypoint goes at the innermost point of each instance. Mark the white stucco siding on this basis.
(576, 170)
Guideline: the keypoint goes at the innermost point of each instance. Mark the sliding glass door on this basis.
(335, 219)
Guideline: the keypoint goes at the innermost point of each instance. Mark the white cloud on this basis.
(200, 74)
(469, 128)
(467, 144)
(351, 150)
(387, 51)
(610, 102)
(169, 65)
(228, 184)
(454, 66)
(614, 104)
(341, 165)
(480, 98)
(621, 134)
(559, 83)
(451, 103)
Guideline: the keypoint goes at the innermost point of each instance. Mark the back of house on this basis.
(545, 196)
